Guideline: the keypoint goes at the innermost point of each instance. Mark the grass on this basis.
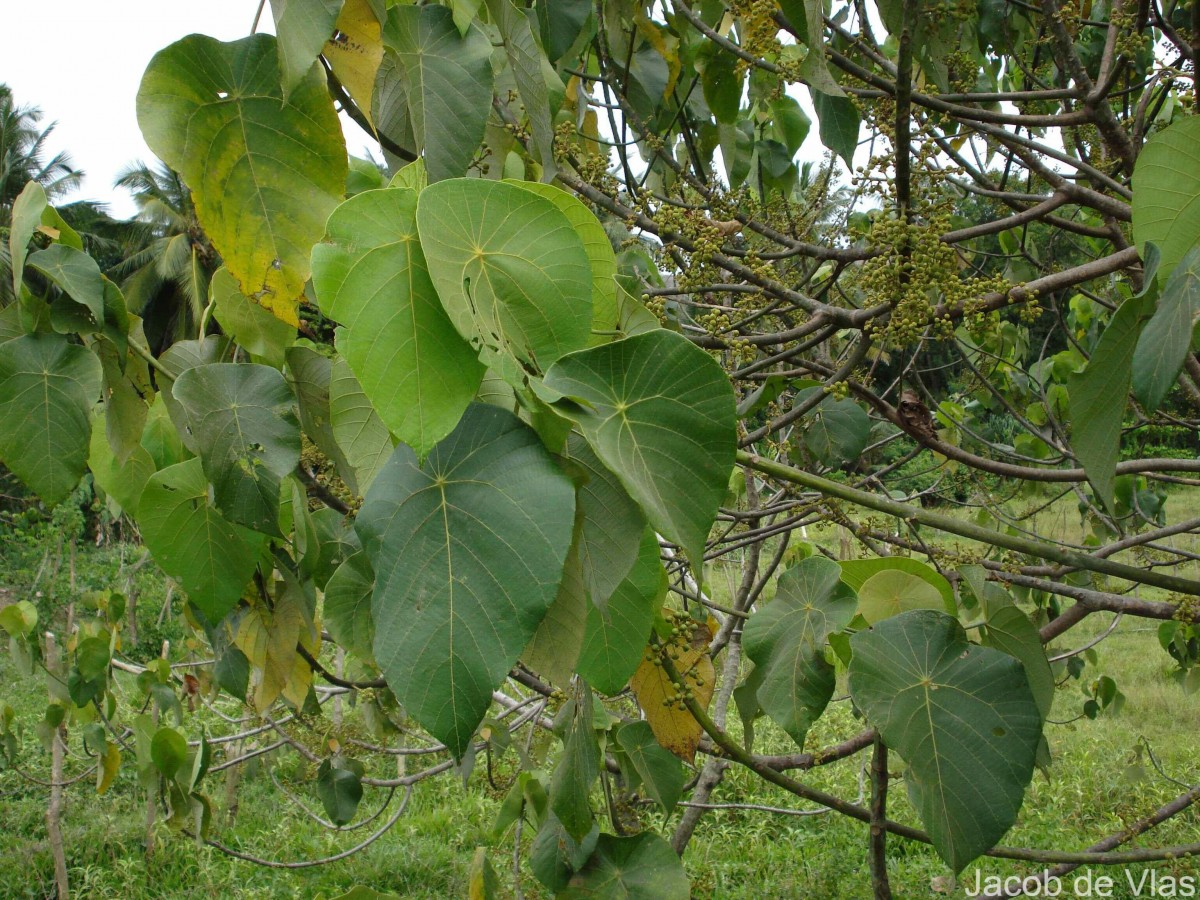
(1087, 794)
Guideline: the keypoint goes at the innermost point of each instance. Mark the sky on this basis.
(81, 61)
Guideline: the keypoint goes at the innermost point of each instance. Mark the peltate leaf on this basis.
(47, 388)
(241, 422)
(339, 788)
(357, 428)
(642, 867)
(786, 641)
(510, 269)
(659, 412)
(264, 172)
(963, 718)
(466, 566)
(370, 275)
(253, 328)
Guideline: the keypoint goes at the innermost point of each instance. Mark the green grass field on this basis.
(1090, 791)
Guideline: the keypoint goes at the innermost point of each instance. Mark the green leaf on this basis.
(77, 275)
(253, 328)
(264, 172)
(241, 422)
(892, 591)
(599, 253)
(92, 658)
(19, 619)
(469, 562)
(27, 212)
(720, 81)
(348, 606)
(660, 770)
(123, 483)
(855, 573)
(642, 867)
(1167, 337)
(370, 275)
(1166, 181)
(1008, 629)
(785, 639)
(340, 790)
(963, 718)
(168, 750)
(528, 65)
(617, 632)
(578, 767)
(659, 412)
(302, 28)
(311, 376)
(837, 431)
(1097, 397)
(435, 86)
(193, 542)
(47, 388)
(359, 431)
(839, 120)
(553, 653)
(611, 524)
(510, 269)
(555, 856)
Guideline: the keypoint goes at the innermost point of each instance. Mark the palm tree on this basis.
(170, 261)
(23, 159)
(22, 155)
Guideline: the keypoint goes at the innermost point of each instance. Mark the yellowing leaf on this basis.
(356, 51)
(673, 727)
(110, 763)
(268, 639)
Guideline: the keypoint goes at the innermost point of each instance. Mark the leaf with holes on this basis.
(963, 718)
(264, 172)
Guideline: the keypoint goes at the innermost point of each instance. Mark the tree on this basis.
(582, 358)
(22, 159)
(167, 268)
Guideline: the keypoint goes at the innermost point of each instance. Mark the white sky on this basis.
(81, 61)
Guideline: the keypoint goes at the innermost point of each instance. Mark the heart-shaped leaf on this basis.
(963, 718)
(468, 558)
(786, 641)
(370, 275)
(659, 412)
(47, 388)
